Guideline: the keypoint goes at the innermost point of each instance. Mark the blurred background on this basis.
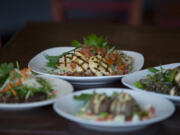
(15, 13)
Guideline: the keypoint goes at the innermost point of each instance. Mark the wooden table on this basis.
(158, 45)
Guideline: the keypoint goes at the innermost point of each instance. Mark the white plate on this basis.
(62, 87)
(67, 107)
(38, 64)
(130, 79)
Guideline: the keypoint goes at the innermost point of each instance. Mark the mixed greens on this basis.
(166, 81)
(18, 86)
(119, 107)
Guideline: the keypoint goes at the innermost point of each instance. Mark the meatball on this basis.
(123, 104)
(99, 103)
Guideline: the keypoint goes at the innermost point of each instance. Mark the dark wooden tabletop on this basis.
(158, 45)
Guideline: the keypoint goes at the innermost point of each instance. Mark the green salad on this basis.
(166, 81)
(18, 86)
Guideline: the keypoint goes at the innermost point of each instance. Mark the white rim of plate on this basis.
(173, 98)
(37, 103)
(74, 78)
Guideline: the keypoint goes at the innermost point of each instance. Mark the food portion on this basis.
(20, 86)
(165, 81)
(93, 57)
(119, 107)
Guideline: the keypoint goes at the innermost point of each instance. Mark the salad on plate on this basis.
(119, 107)
(22, 86)
(165, 81)
(93, 57)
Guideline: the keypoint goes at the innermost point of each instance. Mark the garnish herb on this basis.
(76, 43)
(111, 50)
(92, 40)
(139, 85)
(104, 115)
(52, 60)
(154, 70)
(5, 69)
(83, 97)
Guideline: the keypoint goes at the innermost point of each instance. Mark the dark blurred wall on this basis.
(15, 13)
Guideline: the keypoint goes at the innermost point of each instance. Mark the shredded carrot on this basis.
(13, 91)
(7, 88)
(100, 119)
(18, 83)
(25, 73)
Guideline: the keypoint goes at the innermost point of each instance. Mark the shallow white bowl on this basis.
(38, 64)
(130, 79)
(62, 87)
(67, 107)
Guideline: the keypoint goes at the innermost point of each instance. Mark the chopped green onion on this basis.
(76, 43)
(111, 50)
(80, 112)
(171, 76)
(104, 115)
(17, 65)
(154, 70)
(139, 85)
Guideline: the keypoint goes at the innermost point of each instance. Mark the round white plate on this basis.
(62, 87)
(38, 64)
(67, 107)
(130, 79)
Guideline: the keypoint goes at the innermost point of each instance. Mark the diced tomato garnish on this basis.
(100, 119)
(86, 52)
(152, 110)
(99, 51)
(148, 117)
(126, 71)
(89, 113)
(111, 56)
(119, 72)
(108, 117)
